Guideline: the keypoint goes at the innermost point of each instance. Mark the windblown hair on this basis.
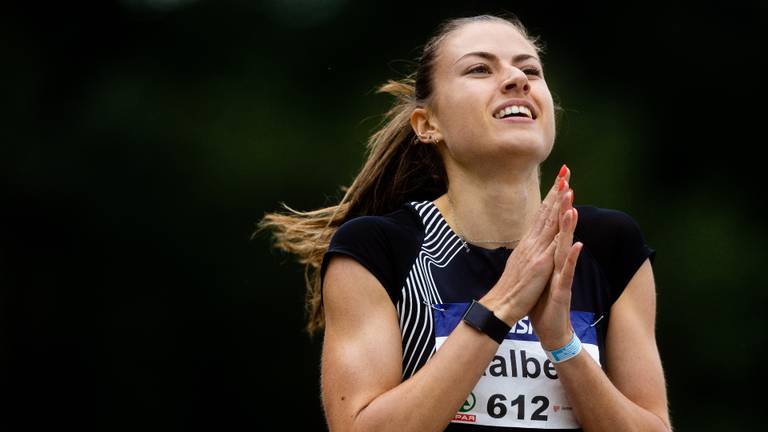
(398, 169)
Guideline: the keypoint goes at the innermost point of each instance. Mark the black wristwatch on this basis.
(483, 319)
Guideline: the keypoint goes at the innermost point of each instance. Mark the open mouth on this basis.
(514, 111)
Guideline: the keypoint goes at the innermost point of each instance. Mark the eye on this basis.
(532, 71)
(481, 67)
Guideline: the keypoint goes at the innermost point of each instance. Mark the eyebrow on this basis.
(492, 57)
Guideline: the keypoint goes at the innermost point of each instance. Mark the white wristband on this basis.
(569, 351)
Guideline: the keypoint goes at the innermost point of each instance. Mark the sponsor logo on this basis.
(470, 418)
(469, 403)
(522, 327)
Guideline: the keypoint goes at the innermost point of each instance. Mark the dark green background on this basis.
(142, 140)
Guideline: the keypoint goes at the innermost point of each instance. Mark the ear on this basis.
(425, 125)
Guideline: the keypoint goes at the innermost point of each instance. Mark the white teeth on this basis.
(513, 109)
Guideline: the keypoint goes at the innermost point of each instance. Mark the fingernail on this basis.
(563, 170)
(561, 185)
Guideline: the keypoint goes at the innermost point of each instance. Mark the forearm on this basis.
(598, 404)
(429, 399)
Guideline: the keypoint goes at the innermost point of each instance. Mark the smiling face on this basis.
(481, 69)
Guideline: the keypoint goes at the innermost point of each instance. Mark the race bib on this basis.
(520, 387)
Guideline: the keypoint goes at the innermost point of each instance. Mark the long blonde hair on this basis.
(398, 168)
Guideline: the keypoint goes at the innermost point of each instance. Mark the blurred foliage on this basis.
(144, 139)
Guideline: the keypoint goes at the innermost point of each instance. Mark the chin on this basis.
(535, 148)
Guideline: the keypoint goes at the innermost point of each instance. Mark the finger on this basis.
(575, 220)
(557, 186)
(564, 240)
(551, 197)
(550, 251)
(565, 237)
(566, 276)
(566, 201)
(555, 212)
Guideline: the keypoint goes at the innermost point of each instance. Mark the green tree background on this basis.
(143, 139)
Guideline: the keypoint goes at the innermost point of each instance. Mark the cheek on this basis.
(461, 109)
(461, 124)
(553, 121)
(550, 113)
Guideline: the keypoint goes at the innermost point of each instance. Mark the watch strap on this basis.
(484, 320)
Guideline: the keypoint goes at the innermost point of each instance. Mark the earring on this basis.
(430, 139)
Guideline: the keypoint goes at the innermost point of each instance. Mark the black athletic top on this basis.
(431, 275)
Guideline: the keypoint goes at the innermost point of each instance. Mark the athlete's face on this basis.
(471, 88)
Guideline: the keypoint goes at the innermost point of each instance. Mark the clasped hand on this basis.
(539, 273)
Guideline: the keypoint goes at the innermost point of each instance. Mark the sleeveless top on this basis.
(431, 276)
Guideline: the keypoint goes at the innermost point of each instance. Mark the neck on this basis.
(492, 211)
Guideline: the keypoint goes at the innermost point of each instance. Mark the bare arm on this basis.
(362, 354)
(361, 363)
(634, 398)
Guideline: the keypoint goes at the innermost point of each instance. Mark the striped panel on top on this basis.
(419, 292)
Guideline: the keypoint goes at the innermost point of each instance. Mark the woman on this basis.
(451, 294)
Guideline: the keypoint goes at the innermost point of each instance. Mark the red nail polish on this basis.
(561, 185)
(563, 170)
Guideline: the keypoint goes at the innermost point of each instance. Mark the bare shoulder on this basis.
(362, 353)
(352, 292)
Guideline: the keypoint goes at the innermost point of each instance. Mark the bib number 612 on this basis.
(497, 408)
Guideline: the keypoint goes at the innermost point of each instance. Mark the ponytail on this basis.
(398, 168)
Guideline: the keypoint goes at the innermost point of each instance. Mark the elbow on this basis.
(658, 424)
(357, 421)
(665, 426)
(662, 423)
(371, 419)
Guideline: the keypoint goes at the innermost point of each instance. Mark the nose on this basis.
(516, 80)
